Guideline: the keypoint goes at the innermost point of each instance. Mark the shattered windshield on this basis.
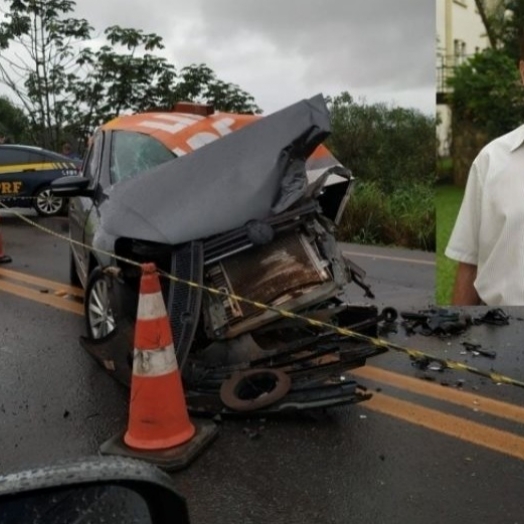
(133, 153)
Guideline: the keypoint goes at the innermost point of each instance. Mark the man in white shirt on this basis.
(488, 237)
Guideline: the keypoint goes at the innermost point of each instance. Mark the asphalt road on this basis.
(418, 451)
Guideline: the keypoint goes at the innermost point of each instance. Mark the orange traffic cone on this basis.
(158, 416)
(159, 429)
(4, 259)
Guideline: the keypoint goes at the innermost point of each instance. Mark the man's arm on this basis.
(464, 292)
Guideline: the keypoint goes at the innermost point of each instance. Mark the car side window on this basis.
(11, 157)
(132, 153)
(34, 157)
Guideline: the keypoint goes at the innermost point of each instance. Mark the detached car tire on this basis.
(48, 205)
(254, 389)
(98, 310)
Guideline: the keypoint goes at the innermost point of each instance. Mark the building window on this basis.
(459, 51)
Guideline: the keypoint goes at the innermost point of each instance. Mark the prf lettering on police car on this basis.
(10, 188)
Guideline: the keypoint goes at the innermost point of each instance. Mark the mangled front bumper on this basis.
(318, 367)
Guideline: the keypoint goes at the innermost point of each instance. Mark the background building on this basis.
(460, 33)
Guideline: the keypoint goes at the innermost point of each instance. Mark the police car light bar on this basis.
(194, 109)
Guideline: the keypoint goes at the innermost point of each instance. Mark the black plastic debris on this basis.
(420, 362)
(494, 317)
(476, 349)
(435, 321)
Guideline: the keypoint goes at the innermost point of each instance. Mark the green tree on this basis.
(126, 75)
(13, 122)
(67, 88)
(41, 37)
(487, 93)
(504, 24)
(393, 146)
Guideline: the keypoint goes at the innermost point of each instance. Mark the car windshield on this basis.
(133, 153)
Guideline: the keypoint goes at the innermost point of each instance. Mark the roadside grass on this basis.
(404, 217)
(447, 199)
(445, 169)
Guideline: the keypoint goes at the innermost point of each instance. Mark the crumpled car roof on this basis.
(251, 174)
(184, 133)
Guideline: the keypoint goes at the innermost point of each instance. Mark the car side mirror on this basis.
(94, 490)
(72, 186)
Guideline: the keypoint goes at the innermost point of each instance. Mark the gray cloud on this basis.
(281, 51)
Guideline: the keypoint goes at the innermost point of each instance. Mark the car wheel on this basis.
(47, 204)
(99, 315)
(74, 279)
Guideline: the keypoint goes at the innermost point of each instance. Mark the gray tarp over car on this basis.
(252, 173)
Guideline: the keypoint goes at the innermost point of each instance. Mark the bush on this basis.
(391, 146)
(403, 217)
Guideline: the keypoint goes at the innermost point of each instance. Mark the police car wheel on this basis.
(100, 319)
(47, 204)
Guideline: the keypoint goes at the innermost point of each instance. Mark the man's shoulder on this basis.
(505, 143)
(496, 153)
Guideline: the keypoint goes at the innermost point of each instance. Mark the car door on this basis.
(82, 209)
(15, 179)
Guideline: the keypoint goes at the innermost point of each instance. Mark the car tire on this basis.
(48, 205)
(254, 389)
(74, 279)
(98, 310)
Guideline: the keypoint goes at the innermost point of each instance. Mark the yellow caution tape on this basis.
(377, 342)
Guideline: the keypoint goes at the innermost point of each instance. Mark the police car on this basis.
(26, 173)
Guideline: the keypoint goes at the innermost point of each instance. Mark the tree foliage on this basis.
(392, 146)
(67, 87)
(13, 122)
(504, 24)
(41, 37)
(487, 92)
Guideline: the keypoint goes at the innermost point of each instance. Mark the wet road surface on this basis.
(419, 451)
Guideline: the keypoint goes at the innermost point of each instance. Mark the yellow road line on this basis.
(454, 396)
(395, 259)
(472, 432)
(43, 282)
(43, 298)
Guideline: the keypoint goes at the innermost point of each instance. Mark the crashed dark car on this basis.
(243, 204)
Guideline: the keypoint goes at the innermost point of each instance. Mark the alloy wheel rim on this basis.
(101, 318)
(48, 203)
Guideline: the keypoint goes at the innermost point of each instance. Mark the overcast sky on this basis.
(281, 51)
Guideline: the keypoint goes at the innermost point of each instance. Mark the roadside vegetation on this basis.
(391, 152)
(403, 217)
(448, 200)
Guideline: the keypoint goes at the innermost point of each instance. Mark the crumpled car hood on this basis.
(250, 174)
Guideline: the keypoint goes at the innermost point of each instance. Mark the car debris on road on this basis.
(435, 321)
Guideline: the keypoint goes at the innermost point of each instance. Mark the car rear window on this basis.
(132, 153)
